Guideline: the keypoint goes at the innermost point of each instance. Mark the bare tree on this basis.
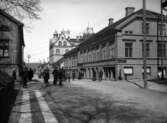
(22, 8)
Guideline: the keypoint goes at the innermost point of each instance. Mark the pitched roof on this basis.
(2, 12)
(113, 26)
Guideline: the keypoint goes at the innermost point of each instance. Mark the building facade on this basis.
(117, 50)
(11, 44)
(59, 45)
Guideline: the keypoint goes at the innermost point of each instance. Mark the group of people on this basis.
(58, 76)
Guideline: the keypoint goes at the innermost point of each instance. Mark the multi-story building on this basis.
(11, 43)
(59, 45)
(117, 50)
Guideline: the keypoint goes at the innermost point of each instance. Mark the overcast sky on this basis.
(74, 15)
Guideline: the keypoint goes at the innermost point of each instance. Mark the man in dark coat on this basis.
(55, 76)
(46, 76)
(61, 76)
(25, 76)
(30, 74)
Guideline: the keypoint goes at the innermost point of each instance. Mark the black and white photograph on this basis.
(83, 61)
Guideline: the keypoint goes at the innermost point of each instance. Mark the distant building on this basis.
(117, 50)
(61, 43)
(11, 43)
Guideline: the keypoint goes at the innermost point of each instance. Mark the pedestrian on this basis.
(14, 75)
(100, 75)
(55, 76)
(30, 74)
(61, 76)
(68, 76)
(73, 75)
(46, 76)
(25, 76)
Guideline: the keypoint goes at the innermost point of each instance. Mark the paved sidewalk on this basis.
(31, 107)
(153, 98)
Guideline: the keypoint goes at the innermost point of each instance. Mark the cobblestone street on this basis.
(84, 101)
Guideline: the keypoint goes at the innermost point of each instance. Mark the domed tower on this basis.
(55, 34)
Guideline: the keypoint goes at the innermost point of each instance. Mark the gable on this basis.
(11, 18)
(126, 21)
(62, 42)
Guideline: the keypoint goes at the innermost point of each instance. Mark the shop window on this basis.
(148, 70)
(128, 70)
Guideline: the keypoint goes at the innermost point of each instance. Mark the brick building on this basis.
(11, 43)
(117, 50)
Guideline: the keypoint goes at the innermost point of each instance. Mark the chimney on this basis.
(129, 10)
(111, 21)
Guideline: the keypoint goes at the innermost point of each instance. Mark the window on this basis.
(126, 32)
(147, 49)
(128, 70)
(60, 43)
(147, 28)
(130, 32)
(4, 28)
(128, 49)
(161, 29)
(57, 51)
(161, 50)
(66, 50)
(4, 47)
(148, 70)
(65, 43)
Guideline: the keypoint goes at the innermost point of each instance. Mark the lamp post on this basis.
(144, 45)
(28, 56)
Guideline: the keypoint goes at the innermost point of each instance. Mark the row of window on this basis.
(161, 29)
(58, 51)
(71, 62)
(64, 43)
(106, 53)
(98, 54)
(129, 49)
(128, 70)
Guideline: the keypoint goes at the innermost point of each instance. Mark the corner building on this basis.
(117, 50)
(11, 44)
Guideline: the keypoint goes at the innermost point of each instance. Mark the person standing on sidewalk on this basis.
(61, 76)
(46, 76)
(25, 76)
(55, 76)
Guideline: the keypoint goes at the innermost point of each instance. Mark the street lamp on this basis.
(28, 56)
